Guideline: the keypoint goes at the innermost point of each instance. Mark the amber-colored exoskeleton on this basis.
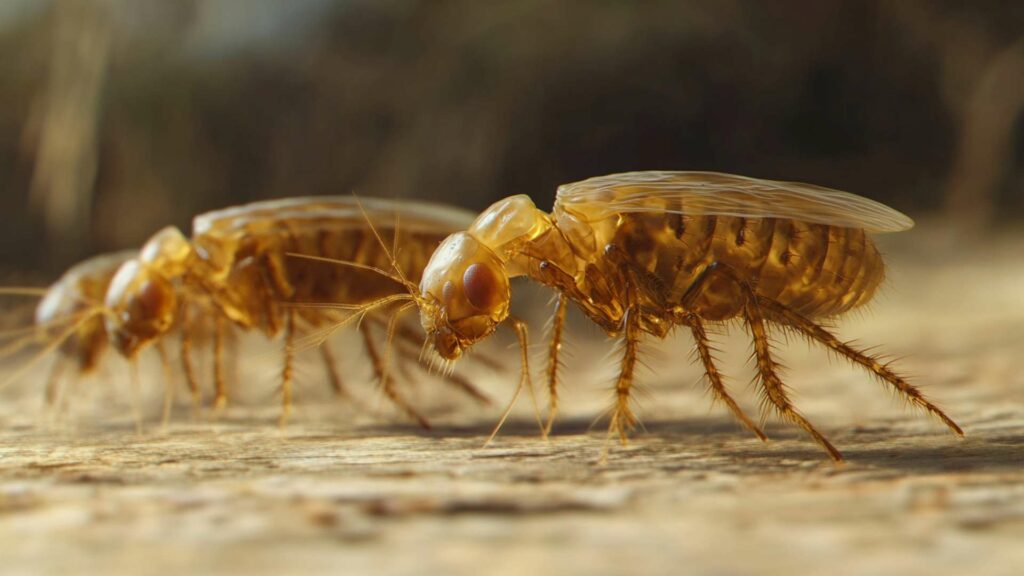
(258, 267)
(70, 319)
(69, 316)
(644, 252)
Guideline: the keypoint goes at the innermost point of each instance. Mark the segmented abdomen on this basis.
(327, 282)
(815, 269)
(255, 273)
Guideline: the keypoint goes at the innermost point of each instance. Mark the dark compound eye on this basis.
(154, 299)
(151, 300)
(481, 286)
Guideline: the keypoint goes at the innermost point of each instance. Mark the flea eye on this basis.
(481, 286)
(151, 300)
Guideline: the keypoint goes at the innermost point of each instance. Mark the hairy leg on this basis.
(623, 420)
(186, 360)
(772, 386)
(554, 360)
(404, 333)
(772, 389)
(704, 350)
(782, 315)
(220, 398)
(387, 383)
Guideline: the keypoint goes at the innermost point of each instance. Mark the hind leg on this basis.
(773, 388)
(700, 337)
(745, 301)
(782, 315)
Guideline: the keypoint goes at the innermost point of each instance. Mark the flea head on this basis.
(464, 294)
(67, 313)
(142, 297)
(142, 305)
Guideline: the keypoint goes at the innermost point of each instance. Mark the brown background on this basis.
(119, 117)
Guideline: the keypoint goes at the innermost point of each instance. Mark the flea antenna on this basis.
(31, 329)
(18, 344)
(359, 312)
(343, 306)
(23, 291)
(49, 348)
(384, 273)
(394, 237)
(394, 263)
(27, 334)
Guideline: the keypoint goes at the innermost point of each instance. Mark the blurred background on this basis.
(118, 117)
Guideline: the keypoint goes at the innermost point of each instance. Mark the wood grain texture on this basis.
(692, 492)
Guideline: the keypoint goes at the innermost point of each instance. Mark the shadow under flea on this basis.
(695, 442)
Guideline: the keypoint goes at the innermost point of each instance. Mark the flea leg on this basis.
(387, 383)
(781, 314)
(700, 336)
(623, 420)
(525, 381)
(186, 361)
(165, 363)
(53, 382)
(467, 387)
(331, 365)
(220, 398)
(288, 367)
(774, 390)
(554, 360)
(133, 367)
(406, 334)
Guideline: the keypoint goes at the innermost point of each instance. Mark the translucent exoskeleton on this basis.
(644, 252)
(69, 317)
(71, 320)
(259, 267)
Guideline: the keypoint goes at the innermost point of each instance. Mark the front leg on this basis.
(220, 398)
(554, 359)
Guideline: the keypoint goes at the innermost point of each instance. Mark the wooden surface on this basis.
(694, 493)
